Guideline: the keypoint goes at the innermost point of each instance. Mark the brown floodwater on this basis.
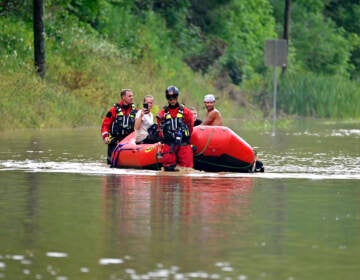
(66, 215)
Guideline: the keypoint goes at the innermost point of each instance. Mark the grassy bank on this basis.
(84, 76)
(85, 73)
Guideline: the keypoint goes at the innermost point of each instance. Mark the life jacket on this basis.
(123, 125)
(175, 130)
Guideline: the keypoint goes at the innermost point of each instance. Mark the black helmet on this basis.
(171, 91)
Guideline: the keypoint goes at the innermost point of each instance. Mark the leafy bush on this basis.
(16, 43)
(244, 26)
(321, 47)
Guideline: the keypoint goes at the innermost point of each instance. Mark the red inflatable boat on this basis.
(216, 148)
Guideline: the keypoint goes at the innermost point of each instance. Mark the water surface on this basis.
(66, 215)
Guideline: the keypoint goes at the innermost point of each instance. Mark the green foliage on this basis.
(86, 10)
(346, 14)
(85, 74)
(16, 43)
(19, 8)
(309, 6)
(244, 25)
(147, 36)
(174, 12)
(28, 102)
(319, 96)
(317, 42)
(95, 48)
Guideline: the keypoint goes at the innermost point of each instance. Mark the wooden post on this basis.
(39, 37)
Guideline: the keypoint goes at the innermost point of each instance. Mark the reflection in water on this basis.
(32, 198)
(32, 210)
(176, 227)
(276, 232)
(126, 206)
(151, 209)
(32, 201)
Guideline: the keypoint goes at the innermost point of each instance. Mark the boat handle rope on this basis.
(207, 143)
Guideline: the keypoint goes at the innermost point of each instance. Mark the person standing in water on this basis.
(119, 121)
(175, 122)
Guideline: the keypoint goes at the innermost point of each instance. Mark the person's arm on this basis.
(106, 124)
(218, 119)
(159, 118)
(190, 121)
(138, 119)
(209, 119)
(213, 118)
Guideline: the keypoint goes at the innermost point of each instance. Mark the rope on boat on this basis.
(207, 142)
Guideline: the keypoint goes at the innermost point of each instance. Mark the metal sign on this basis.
(276, 52)
(275, 55)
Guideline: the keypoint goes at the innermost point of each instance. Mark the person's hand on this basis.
(107, 140)
(145, 111)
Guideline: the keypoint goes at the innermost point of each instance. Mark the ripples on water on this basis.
(276, 167)
(289, 163)
(158, 272)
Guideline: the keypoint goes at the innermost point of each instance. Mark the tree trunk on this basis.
(286, 27)
(39, 37)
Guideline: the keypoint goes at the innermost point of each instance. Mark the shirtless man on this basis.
(213, 116)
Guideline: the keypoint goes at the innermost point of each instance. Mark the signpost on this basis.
(275, 55)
